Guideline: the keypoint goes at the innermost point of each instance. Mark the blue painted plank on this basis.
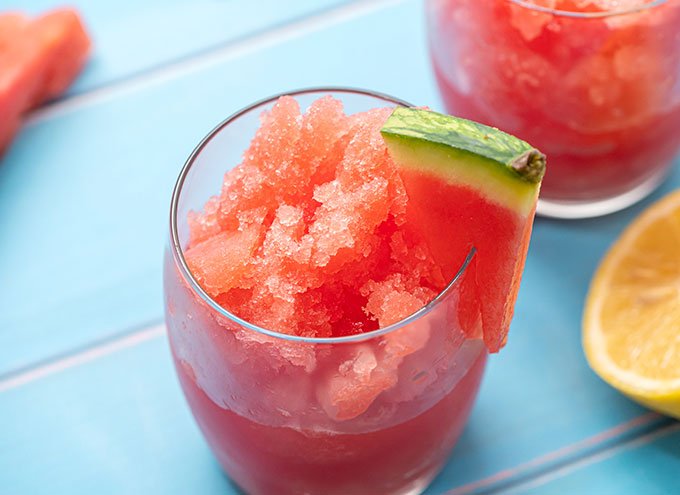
(84, 196)
(118, 426)
(132, 36)
(648, 465)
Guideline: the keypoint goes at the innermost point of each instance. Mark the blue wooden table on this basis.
(88, 399)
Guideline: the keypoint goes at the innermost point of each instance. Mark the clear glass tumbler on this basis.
(373, 413)
(597, 91)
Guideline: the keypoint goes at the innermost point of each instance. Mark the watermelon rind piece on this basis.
(502, 167)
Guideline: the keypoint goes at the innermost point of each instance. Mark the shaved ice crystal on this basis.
(307, 235)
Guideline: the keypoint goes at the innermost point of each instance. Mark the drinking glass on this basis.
(598, 92)
(372, 413)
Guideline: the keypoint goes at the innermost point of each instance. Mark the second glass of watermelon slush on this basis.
(595, 84)
(321, 381)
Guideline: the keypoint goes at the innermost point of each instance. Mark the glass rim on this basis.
(588, 15)
(178, 251)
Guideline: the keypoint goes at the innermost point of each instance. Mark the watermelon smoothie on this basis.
(595, 84)
(329, 338)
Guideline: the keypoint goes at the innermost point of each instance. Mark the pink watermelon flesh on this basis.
(38, 60)
(64, 49)
(501, 241)
(18, 65)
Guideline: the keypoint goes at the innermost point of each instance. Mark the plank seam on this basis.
(92, 352)
(557, 457)
(233, 49)
(667, 428)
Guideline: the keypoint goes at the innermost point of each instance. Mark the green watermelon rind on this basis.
(503, 167)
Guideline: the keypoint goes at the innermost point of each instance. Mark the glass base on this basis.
(588, 209)
(419, 486)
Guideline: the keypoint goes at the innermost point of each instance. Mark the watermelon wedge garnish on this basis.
(470, 185)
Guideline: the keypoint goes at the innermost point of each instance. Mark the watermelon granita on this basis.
(595, 84)
(330, 338)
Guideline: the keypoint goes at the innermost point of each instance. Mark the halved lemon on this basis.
(631, 323)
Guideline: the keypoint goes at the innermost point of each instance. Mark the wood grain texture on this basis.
(84, 198)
